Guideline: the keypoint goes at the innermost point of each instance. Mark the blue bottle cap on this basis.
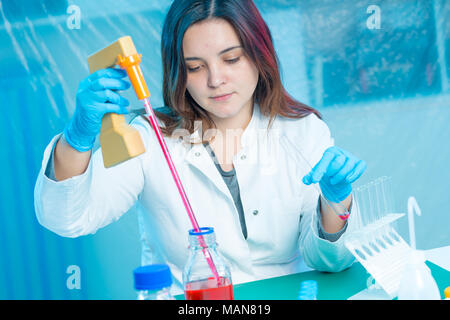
(309, 284)
(308, 290)
(152, 277)
(203, 231)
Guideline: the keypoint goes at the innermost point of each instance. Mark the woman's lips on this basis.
(223, 98)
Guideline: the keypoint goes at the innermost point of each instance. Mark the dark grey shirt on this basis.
(231, 181)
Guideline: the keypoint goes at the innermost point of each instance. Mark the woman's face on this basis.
(221, 78)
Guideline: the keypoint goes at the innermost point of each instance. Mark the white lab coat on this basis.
(280, 211)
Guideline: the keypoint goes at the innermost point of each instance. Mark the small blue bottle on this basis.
(308, 290)
(153, 282)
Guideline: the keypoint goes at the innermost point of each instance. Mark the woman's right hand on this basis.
(96, 96)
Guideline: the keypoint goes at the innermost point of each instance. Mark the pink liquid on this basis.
(209, 290)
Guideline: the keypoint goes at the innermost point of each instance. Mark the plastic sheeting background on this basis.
(379, 75)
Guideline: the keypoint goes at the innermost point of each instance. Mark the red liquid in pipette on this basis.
(209, 290)
(173, 170)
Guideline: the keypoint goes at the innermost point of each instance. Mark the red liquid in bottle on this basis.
(209, 290)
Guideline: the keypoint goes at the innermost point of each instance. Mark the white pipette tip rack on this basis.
(375, 244)
(382, 252)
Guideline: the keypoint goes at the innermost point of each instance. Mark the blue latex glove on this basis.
(95, 96)
(336, 172)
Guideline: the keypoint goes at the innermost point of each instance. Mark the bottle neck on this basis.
(202, 241)
(159, 294)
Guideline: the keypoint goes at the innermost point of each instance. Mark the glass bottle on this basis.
(153, 282)
(199, 280)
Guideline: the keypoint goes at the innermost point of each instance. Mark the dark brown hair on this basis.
(181, 110)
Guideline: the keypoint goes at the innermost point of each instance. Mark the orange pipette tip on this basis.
(131, 66)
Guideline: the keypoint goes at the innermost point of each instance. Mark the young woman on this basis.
(242, 146)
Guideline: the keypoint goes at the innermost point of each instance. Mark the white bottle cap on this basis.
(417, 256)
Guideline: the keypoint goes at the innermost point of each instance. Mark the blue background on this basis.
(384, 93)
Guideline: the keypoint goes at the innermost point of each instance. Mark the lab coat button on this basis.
(197, 154)
(255, 212)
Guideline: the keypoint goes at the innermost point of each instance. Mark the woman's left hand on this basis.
(336, 172)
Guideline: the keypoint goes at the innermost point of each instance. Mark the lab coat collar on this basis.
(256, 122)
(199, 158)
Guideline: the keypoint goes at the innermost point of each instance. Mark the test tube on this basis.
(363, 205)
(359, 202)
(389, 196)
(378, 199)
(381, 208)
(371, 194)
(383, 199)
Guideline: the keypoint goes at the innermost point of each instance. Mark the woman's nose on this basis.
(216, 77)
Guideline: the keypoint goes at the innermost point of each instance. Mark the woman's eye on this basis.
(231, 61)
(193, 69)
